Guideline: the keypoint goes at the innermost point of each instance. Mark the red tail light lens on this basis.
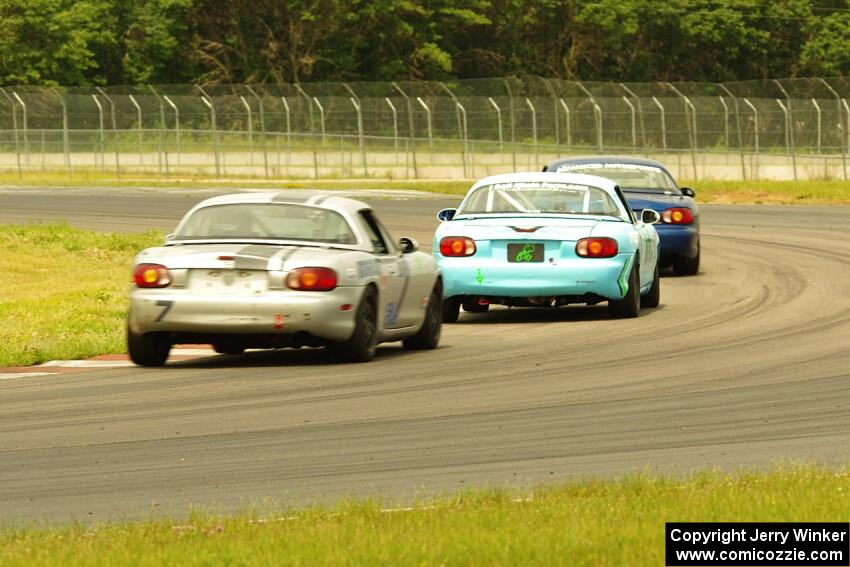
(151, 275)
(455, 246)
(597, 247)
(678, 215)
(311, 279)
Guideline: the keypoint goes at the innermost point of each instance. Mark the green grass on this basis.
(91, 178)
(64, 291)
(819, 192)
(617, 522)
(825, 192)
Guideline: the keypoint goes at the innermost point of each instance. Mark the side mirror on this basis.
(168, 237)
(687, 191)
(648, 216)
(446, 214)
(407, 245)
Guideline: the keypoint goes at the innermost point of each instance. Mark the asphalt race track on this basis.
(745, 365)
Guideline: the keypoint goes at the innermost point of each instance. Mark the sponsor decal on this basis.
(368, 268)
(391, 314)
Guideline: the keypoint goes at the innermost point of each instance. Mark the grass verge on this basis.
(67, 294)
(822, 192)
(618, 522)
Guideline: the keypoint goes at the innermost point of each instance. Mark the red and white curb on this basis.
(55, 367)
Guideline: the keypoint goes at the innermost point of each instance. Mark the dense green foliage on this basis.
(80, 42)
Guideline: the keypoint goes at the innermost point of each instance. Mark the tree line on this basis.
(108, 42)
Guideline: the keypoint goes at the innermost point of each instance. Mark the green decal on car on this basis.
(479, 276)
(622, 281)
(526, 254)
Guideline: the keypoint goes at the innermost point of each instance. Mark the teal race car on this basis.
(547, 240)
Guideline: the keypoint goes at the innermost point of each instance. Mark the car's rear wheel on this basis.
(428, 336)
(686, 266)
(451, 309)
(150, 349)
(472, 306)
(653, 296)
(363, 343)
(629, 306)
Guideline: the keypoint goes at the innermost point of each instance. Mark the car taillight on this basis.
(454, 246)
(311, 279)
(151, 275)
(678, 215)
(597, 247)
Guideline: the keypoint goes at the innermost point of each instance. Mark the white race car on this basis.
(264, 270)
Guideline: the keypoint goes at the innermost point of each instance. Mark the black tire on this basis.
(472, 306)
(227, 347)
(686, 266)
(363, 343)
(653, 296)
(629, 306)
(151, 349)
(451, 309)
(428, 336)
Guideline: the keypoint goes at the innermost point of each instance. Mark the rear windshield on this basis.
(540, 197)
(626, 175)
(266, 221)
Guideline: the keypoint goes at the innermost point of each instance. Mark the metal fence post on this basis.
(597, 116)
(663, 123)
(534, 131)
(725, 122)
(692, 126)
(756, 135)
(101, 136)
(139, 122)
(634, 121)
(428, 122)
(262, 129)
(466, 150)
(163, 148)
(568, 125)
(819, 123)
(288, 136)
(312, 130)
(25, 127)
(321, 118)
(412, 130)
(498, 122)
(738, 128)
(216, 157)
(788, 135)
(114, 130)
(843, 146)
(176, 125)
(640, 115)
(789, 120)
(250, 124)
(513, 122)
(556, 120)
(395, 128)
(66, 146)
(460, 130)
(847, 130)
(360, 139)
(15, 130)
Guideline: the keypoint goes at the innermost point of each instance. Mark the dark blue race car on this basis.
(648, 185)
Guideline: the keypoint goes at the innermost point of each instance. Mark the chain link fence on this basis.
(769, 129)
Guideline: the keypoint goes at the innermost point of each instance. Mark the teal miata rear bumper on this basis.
(605, 277)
